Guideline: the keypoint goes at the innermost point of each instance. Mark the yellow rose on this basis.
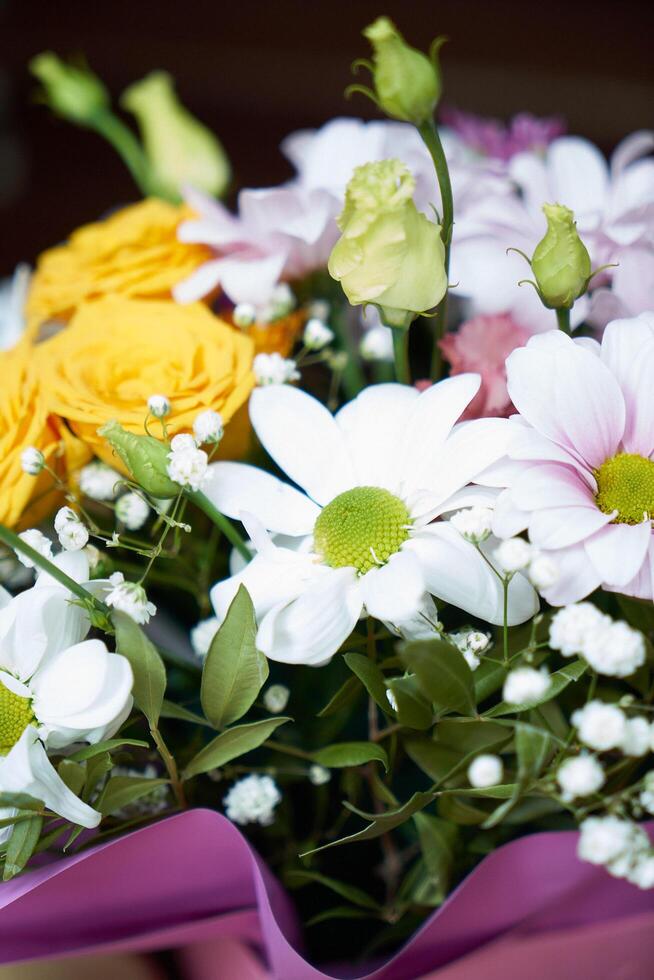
(117, 351)
(24, 422)
(389, 253)
(135, 252)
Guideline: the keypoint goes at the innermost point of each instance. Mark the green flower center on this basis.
(361, 528)
(626, 483)
(15, 715)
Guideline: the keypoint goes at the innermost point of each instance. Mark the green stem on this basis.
(171, 767)
(353, 376)
(128, 148)
(429, 133)
(401, 352)
(17, 544)
(563, 319)
(228, 529)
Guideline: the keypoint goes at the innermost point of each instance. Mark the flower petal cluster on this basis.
(362, 533)
(611, 648)
(583, 483)
(56, 688)
(253, 800)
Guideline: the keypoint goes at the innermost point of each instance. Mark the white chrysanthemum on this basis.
(37, 540)
(202, 635)
(132, 510)
(73, 535)
(187, 465)
(129, 598)
(485, 770)
(513, 555)
(580, 776)
(474, 523)
(159, 406)
(252, 800)
(56, 688)
(275, 698)
(604, 840)
(377, 344)
(364, 537)
(317, 334)
(525, 684)
(600, 726)
(273, 369)
(543, 572)
(98, 481)
(574, 626)
(208, 427)
(32, 461)
(636, 738)
(617, 650)
(319, 775)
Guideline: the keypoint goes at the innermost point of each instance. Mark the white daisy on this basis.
(360, 538)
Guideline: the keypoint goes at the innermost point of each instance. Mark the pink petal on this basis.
(618, 551)
(628, 350)
(549, 484)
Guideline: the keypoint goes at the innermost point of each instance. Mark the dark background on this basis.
(254, 70)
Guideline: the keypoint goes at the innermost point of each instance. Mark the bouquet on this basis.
(333, 513)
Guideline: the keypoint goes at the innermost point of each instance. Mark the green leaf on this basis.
(638, 612)
(344, 696)
(73, 774)
(461, 812)
(231, 744)
(353, 894)
(443, 673)
(341, 912)
(533, 746)
(559, 680)
(350, 754)
(19, 817)
(234, 670)
(372, 679)
(147, 666)
(437, 838)
(413, 709)
(20, 801)
(468, 736)
(176, 711)
(109, 746)
(380, 823)
(120, 791)
(96, 770)
(23, 840)
(488, 678)
(434, 759)
(502, 792)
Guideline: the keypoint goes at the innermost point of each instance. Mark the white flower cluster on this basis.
(187, 465)
(252, 800)
(132, 510)
(317, 334)
(202, 635)
(580, 775)
(473, 523)
(517, 555)
(603, 727)
(276, 697)
(485, 770)
(525, 684)
(98, 481)
(273, 369)
(471, 643)
(610, 647)
(129, 598)
(72, 533)
(621, 846)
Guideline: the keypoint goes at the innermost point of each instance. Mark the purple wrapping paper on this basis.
(193, 881)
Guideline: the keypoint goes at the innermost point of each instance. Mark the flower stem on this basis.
(353, 377)
(17, 544)
(126, 145)
(430, 137)
(563, 319)
(225, 525)
(401, 352)
(171, 767)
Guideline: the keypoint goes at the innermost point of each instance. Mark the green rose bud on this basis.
(145, 457)
(74, 93)
(561, 263)
(180, 150)
(389, 253)
(407, 82)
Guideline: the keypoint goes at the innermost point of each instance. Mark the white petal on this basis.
(27, 769)
(236, 487)
(74, 563)
(310, 629)
(303, 439)
(471, 496)
(578, 175)
(577, 577)
(508, 519)
(394, 591)
(372, 423)
(270, 578)
(628, 350)
(618, 551)
(456, 573)
(559, 527)
(550, 484)
(201, 282)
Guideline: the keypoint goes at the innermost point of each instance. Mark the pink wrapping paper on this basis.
(193, 881)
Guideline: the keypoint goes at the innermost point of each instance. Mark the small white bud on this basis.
(130, 598)
(580, 776)
(159, 406)
(132, 511)
(99, 481)
(485, 770)
(377, 344)
(525, 684)
(543, 572)
(202, 635)
(187, 465)
(317, 334)
(208, 427)
(244, 315)
(513, 555)
(636, 737)
(473, 523)
(32, 461)
(600, 726)
(253, 800)
(318, 775)
(73, 536)
(63, 516)
(276, 697)
(273, 369)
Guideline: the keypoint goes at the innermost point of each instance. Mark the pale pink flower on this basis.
(493, 138)
(483, 345)
(582, 474)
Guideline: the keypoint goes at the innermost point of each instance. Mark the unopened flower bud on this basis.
(318, 775)
(208, 427)
(132, 511)
(159, 406)
(244, 315)
(72, 92)
(276, 698)
(145, 457)
(32, 461)
(561, 263)
(407, 82)
(317, 334)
